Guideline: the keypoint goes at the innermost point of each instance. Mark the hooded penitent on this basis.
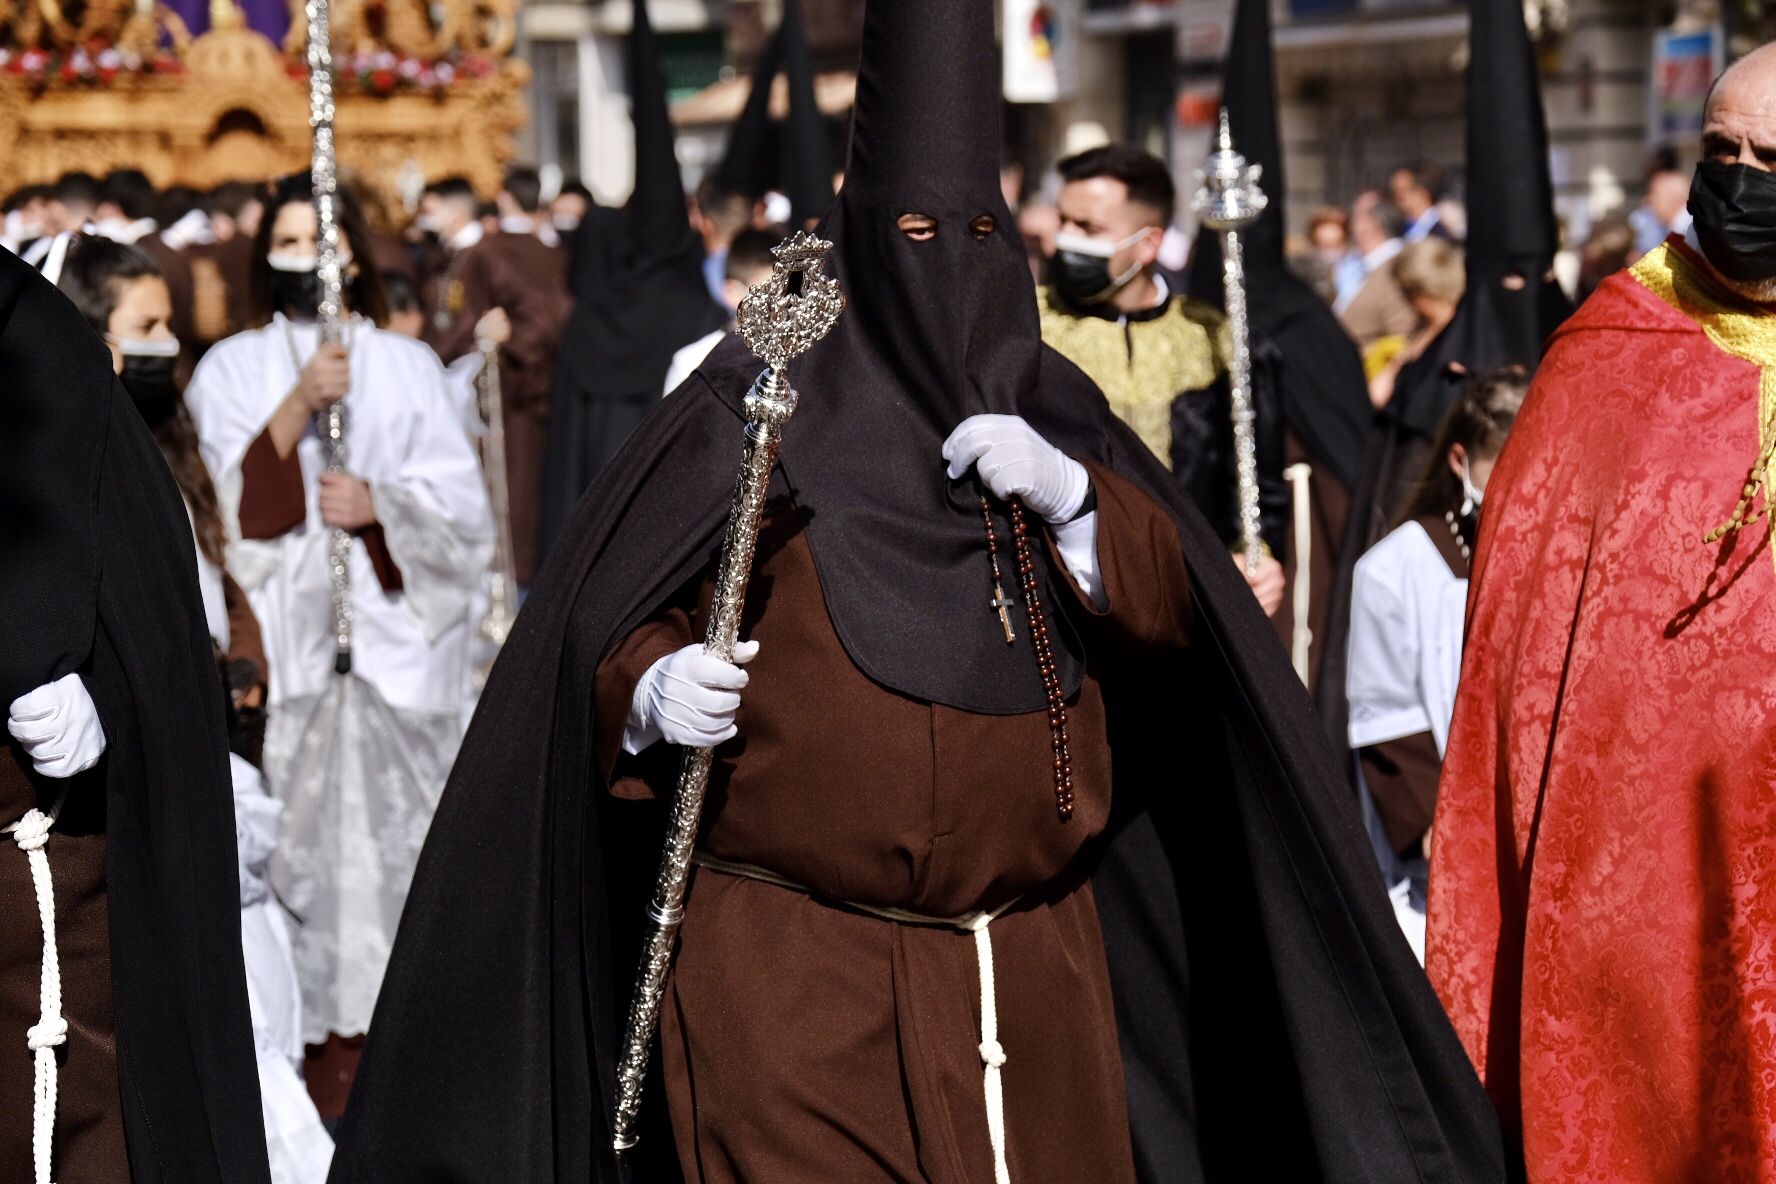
(1325, 396)
(1273, 1023)
(797, 157)
(1510, 307)
(639, 295)
(96, 577)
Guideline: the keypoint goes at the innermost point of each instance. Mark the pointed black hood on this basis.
(749, 164)
(1512, 303)
(637, 275)
(807, 149)
(796, 157)
(936, 331)
(1325, 395)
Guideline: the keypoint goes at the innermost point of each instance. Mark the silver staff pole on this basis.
(778, 326)
(323, 167)
(1228, 201)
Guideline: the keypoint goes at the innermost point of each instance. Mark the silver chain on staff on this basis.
(323, 167)
(1228, 200)
(779, 326)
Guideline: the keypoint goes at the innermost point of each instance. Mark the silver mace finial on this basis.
(1228, 200)
(1228, 196)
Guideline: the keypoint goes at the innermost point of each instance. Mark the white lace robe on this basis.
(359, 762)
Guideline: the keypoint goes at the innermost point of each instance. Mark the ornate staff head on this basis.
(1228, 197)
(778, 324)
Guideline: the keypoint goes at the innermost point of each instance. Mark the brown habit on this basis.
(806, 1041)
(89, 1143)
(519, 273)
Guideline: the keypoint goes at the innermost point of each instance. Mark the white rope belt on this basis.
(992, 1053)
(51, 1031)
(1299, 477)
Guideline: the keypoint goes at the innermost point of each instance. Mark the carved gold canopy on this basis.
(424, 88)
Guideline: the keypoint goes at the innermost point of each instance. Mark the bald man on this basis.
(1603, 872)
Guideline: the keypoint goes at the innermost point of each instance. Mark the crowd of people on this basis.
(1059, 826)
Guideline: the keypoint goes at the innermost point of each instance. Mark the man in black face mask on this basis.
(1160, 357)
(1600, 874)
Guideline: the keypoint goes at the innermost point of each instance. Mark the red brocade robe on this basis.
(1603, 875)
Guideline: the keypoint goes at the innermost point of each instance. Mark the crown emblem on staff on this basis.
(784, 316)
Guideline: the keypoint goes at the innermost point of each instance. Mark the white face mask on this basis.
(429, 224)
(1472, 496)
(146, 347)
(291, 261)
(565, 222)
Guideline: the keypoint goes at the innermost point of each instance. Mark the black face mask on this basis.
(1735, 210)
(297, 293)
(1081, 279)
(151, 386)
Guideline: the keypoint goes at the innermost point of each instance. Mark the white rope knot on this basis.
(49, 1032)
(991, 1051)
(992, 1054)
(32, 831)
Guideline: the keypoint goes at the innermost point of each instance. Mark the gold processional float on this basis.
(425, 89)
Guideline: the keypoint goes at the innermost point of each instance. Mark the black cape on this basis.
(98, 576)
(1275, 1025)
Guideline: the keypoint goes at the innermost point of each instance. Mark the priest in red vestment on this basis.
(1603, 874)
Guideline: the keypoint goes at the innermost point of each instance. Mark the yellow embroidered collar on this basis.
(1738, 328)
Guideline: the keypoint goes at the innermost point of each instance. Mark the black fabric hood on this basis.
(796, 157)
(1512, 303)
(1324, 392)
(935, 332)
(637, 278)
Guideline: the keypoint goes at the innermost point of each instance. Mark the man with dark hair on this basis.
(508, 290)
(450, 216)
(1160, 357)
(570, 206)
(72, 202)
(1375, 307)
(1416, 189)
(27, 218)
(720, 213)
(749, 264)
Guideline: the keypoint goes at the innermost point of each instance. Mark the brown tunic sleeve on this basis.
(634, 776)
(245, 642)
(1141, 563)
(273, 501)
(1402, 777)
(387, 573)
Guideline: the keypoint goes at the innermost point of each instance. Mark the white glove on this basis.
(1014, 461)
(59, 726)
(688, 698)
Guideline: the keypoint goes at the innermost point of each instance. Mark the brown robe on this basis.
(1329, 507)
(527, 278)
(803, 1040)
(89, 1140)
(1402, 775)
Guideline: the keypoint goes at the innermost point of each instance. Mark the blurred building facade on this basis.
(1365, 85)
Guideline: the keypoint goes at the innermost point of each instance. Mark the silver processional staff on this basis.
(779, 326)
(1228, 201)
(324, 170)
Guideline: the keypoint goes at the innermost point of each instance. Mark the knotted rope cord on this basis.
(50, 1031)
(992, 1053)
(1736, 328)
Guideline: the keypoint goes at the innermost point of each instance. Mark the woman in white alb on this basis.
(1408, 603)
(359, 758)
(124, 297)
